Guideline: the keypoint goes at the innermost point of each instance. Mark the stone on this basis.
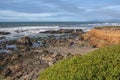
(7, 72)
(61, 31)
(11, 47)
(4, 33)
(24, 43)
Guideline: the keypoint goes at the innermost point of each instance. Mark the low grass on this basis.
(102, 64)
(108, 27)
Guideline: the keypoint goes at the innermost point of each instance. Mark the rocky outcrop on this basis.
(4, 33)
(26, 65)
(58, 42)
(24, 42)
(100, 37)
(64, 31)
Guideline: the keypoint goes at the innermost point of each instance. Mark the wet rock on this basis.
(64, 31)
(4, 33)
(2, 37)
(37, 44)
(4, 51)
(11, 47)
(70, 31)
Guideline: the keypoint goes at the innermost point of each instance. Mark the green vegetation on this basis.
(108, 27)
(102, 64)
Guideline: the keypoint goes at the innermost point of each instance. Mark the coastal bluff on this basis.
(103, 36)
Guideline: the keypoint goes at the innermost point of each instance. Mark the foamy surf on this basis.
(17, 32)
(33, 31)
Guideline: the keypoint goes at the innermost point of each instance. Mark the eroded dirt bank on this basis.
(103, 36)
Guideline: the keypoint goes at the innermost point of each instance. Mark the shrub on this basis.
(102, 64)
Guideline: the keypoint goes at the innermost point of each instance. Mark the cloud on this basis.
(116, 7)
(108, 12)
(30, 6)
(56, 10)
(10, 13)
(65, 6)
(13, 15)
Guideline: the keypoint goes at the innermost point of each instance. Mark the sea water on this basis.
(33, 29)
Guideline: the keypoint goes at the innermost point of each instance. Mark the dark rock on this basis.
(7, 72)
(2, 37)
(64, 31)
(4, 33)
(18, 31)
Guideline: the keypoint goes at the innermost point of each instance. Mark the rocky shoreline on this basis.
(28, 61)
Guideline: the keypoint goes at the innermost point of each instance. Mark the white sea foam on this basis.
(28, 28)
(17, 32)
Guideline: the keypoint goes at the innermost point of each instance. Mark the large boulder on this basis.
(24, 42)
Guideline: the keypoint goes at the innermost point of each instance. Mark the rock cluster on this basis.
(24, 43)
(64, 31)
(60, 42)
(4, 33)
(27, 63)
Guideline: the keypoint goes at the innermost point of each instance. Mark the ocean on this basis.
(20, 24)
(61, 24)
(32, 29)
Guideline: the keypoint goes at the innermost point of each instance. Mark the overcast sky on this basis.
(59, 10)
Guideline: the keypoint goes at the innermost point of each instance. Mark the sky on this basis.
(59, 10)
